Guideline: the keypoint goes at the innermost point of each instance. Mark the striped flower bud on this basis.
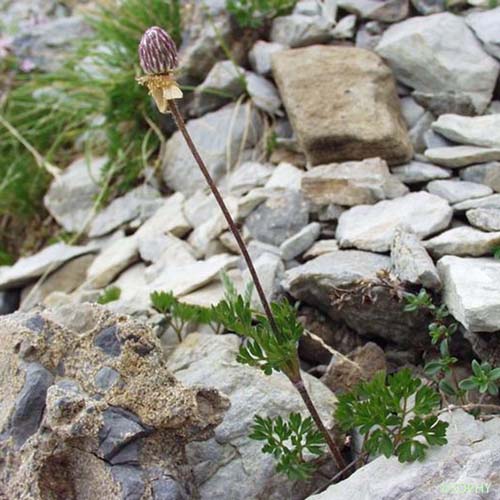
(157, 52)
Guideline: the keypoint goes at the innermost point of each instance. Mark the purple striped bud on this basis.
(157, 52)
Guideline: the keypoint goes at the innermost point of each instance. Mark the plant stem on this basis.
(294, 375)
(232, 226)
(334, 449)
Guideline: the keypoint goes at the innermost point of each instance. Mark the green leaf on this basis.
(432, 368)
(468, 384)
(111, 294)
(476, 368)
(447, 388)
(495, 374)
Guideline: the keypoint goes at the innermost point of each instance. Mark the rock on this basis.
(351, 183)
(487, 219)
(263, 93)
(285, 176)
(328, 95)
(307, 8)
(298, 30)
(9, 301)
(224, 83)
(221, 466)
(49, 259)
(427, 7)
(344, 373)
(467, 465)
(300, 242)
(486, 173)
(440, 103)
(433, 140)
(345, 28)
(236, 127)
(492, 201)
(49, 44)
(455, 191)
(463, 241)
(330, 213)
(86, 433)
(112, 261)
(411, 111)
(140, 202)
(156, 248)
(419, 130)
(484, 24)
(471, 291)
(484, 345)
(331, 283)
(417, 171)
(387, 12)
(186, 277)
(461, 156)
(260, 56)
(439, 56)
(66, 279)
(247, 176)
(369, 35)
(473, 130)
(371, 227)
(411, 262)
(280, 217)
(71, 196)
(320, 248)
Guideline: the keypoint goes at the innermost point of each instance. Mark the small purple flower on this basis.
(157, 52)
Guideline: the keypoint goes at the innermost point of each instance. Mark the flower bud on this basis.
(157, 52)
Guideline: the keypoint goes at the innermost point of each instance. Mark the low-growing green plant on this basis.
(256, 13)
(485, 379)
(111, 294)
(394, 414)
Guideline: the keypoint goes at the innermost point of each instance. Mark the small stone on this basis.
(345, 28)
(30, 403)
(285, 176)
(351, 183)
(278, 218)
(411, 262)
(487, 219)
(248, 175)
(106, 378)
(320, 248)
(472, 130)
(485, 26)
(298, 30)
(492, 201)
(472, 291)
(330, 213)
(417, 171)
(411, 111)
(461, 156)
(387, 12)
(263, 93)
(487, 173)
(300, 242)
(463, 241)
(455, 191)
(433, 140)
(371, 227)
(112, 261)
(260, 56)
(419, 130)
(427, 7)
(109, 341)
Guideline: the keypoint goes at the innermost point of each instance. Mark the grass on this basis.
(94, 96)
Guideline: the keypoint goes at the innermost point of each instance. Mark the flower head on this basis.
(158, 59)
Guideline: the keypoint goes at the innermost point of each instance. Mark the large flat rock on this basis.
(371, 227)
(472, 291)
(342, 104)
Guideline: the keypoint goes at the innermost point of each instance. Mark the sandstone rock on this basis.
(323, 280)
(455, 191)
(260, 56)
(351, 183)
(438, 55)
(344, 373)
(473, 130)
(411, 262)
(280, 217)
(463, 241)
(300, 242)
(328, 94)
(461, 156)
(417, 171)
(112, 261)
(487, 173)
(470, 458)
(49, 259)
(487, 219)
(219, 137)
(387, 12)
(298, 30)
(371, 227)
(471, 291)
(484, 24)
(71, 196)
(141, 202)
(221, 466)
(93, 413)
